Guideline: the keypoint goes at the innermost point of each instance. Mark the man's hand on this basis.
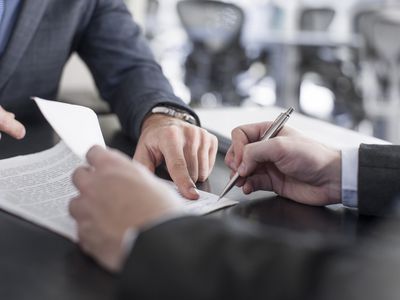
(188, 151)
(9, 125)
(290, 165)
(116, 194)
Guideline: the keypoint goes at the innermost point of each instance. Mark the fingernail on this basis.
(242, 168)
(22, 133)
(247, 188)
(194, 191)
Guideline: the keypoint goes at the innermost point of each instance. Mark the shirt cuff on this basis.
(350, 177)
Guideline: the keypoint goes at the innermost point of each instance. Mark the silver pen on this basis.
(269, 133)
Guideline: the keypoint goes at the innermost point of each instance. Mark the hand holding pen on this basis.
(269, 133)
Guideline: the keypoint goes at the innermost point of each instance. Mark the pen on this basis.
(269, 133)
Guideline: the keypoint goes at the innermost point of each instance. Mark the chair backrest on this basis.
(361, 20)
(214, 24)
(386, 39)
(382, 48)
(316, 19)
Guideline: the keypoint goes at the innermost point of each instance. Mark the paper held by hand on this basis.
(76, 125)
(38, 187)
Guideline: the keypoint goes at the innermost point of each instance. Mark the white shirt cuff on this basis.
(350, 177)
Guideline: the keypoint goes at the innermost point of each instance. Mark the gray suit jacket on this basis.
(103, 33)
(379, 179)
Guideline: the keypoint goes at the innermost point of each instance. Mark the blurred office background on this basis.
(334, 60)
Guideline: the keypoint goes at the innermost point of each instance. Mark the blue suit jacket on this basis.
(103, 33)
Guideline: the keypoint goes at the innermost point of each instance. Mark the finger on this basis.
(229, 158)
(244, 135)
(144, 156)
(240, 182)
(212, 154)
(191, 151)
(177, 168)
(204, 160)
(261, 152)
(77, 209)
(192, 163)
(9, 125)
(257, 182)
(252, 133)
(239, 140)
(261, 169)
(81, 178)
(99, 157)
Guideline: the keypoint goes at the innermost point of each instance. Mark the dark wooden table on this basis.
(38, 264)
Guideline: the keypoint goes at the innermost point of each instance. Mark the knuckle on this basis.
(75, 177)
(204, 132)
(179, 163)
(171, 133)
(279, 144)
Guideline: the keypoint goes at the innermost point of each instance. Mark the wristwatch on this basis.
(174, 112)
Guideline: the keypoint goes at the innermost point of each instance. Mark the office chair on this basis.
(217, 57)
(381, 85)
(326, 62)
(316, 19)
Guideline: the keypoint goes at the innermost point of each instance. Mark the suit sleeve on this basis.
(123, 67)
(378, 179)
(199, 258)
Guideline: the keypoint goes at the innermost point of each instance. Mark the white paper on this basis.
(76, 125)
(38, 187)
(205, 204)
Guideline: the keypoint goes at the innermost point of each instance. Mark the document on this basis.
(38, 187)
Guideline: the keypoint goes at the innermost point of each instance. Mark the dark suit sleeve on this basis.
(378, 179)
(123, 67)
(199, 258)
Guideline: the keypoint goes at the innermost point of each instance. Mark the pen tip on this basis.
(290, 110)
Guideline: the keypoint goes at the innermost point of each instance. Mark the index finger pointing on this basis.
(178, 170)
